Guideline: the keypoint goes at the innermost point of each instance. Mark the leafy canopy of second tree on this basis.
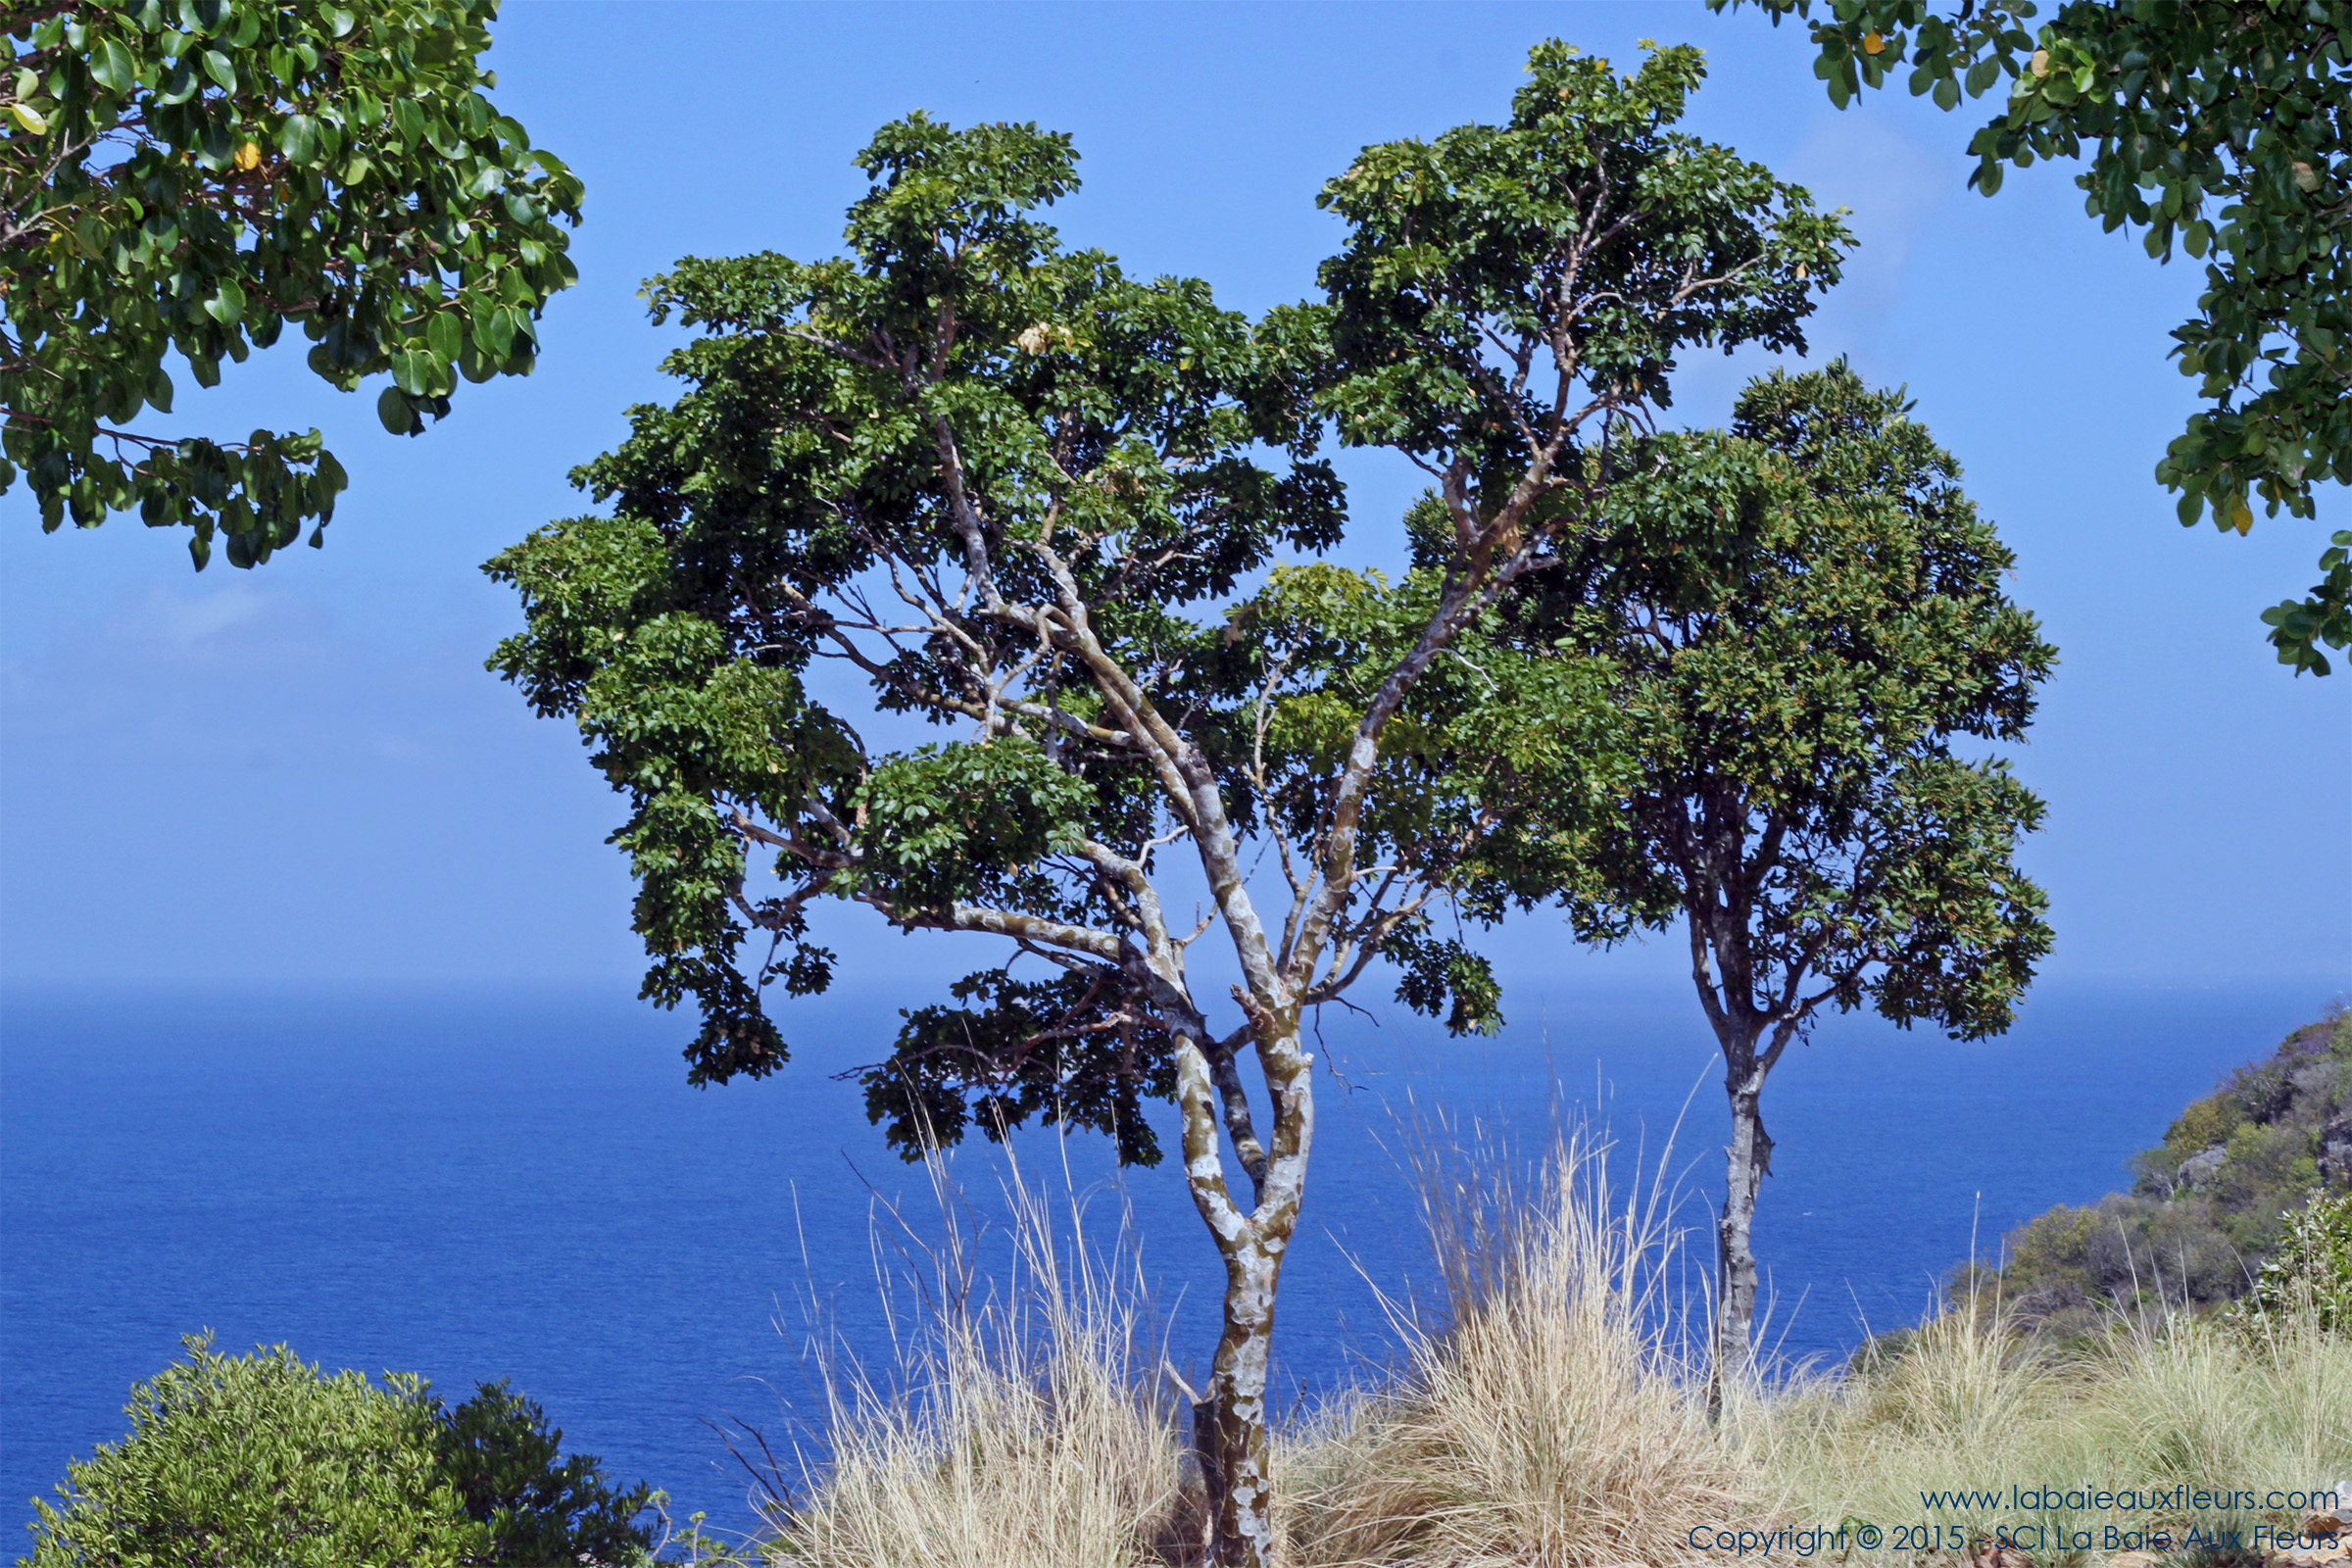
(1070, 516)
(1808, 630)
(2220, 125)
(189, 177)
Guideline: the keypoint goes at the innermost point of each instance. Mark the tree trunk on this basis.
(1229, 1418)
(1747, 1161)
(1229, 1423)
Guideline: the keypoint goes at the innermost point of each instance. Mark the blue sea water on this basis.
(519, 1182)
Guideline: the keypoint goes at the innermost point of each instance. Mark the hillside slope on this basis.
(2209, 1203)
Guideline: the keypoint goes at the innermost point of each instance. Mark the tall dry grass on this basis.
(1546, 1417)
(1549, 1417)
(1969, 1403)
(1021, 1427)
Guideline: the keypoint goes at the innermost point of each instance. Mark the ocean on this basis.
(519, 1182)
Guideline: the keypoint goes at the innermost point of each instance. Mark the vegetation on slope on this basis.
(2211, 1205)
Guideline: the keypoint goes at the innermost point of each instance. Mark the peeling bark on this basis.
(1747, 1161)
(1229, 1423)
(1230, 1438)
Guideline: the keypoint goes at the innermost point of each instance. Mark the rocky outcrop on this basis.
(2200, 1168)
(2335, 1158)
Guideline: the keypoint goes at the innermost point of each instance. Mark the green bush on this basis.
(263, 1461)
(507, 1465)
(2312, 1270)
(260, 1462)
(2205, 1123)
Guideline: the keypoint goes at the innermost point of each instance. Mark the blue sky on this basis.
(303, 772)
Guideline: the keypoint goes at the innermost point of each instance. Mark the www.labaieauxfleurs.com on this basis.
(2182, 1499)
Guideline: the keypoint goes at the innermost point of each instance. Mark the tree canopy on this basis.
(2217, 126)
(1806, 623)
(1077, 521)
(187, 176)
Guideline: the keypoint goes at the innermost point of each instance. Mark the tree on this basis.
(1021, 495)
(508, 1466)
(2219, 123)
(1805, 615)
(187, 176)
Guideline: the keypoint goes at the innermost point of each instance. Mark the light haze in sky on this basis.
(303, 772)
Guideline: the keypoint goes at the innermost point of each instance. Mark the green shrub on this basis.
(506, 1462)
(260, 1462)
(2055, 1249)
(2312, 1270)
(2205, 1123)
(263, 1461)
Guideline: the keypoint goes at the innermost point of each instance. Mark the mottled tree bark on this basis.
(1229, 1423)
(1747, 1161)
(1230, 1438)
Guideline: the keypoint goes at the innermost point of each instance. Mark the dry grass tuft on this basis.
(1020, 1432)
(1546, 1422)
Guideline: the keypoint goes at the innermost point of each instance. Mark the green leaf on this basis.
(397, 415)
(217, 65)
(493, 333)
(447, 335)
(412, 373)
(298, 139)
(111, 68)
(227, 304)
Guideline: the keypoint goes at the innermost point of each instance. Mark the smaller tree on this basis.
(189, 178)
(1806, 614)
(510, 1471)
